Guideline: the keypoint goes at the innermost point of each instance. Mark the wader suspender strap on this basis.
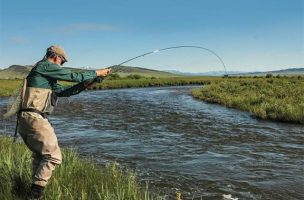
(20, 106)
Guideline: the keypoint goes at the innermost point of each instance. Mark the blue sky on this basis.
(249, 35)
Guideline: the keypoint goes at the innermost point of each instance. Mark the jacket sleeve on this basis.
(62, 91)
(59, 73)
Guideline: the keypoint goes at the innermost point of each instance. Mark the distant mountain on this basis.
(287, 72)
(15, 72)
(211, 73)
(127, 70)
(20, 68)
(290, 71)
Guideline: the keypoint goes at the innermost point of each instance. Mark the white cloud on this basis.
(85, 27)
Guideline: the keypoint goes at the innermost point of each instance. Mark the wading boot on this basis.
(36, 192)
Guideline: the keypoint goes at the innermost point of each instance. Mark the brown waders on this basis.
(39, 135)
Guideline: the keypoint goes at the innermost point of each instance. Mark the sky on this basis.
(248, 35)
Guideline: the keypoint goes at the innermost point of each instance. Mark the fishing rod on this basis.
(115, 68)
(175, 47)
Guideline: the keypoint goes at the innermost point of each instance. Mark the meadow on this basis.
(272, 98)
(74, 179)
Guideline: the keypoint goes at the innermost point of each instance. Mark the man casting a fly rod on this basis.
(38, 98)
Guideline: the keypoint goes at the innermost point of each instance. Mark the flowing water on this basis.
(178, 143)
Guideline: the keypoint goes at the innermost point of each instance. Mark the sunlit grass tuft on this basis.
(74, 179)
(7, 87)
(267, 98)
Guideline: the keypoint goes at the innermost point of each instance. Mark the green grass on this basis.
(280, 99)
(153, 82)
(74, 179)
(7, 87)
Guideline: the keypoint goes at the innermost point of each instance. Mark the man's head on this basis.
(56, 54)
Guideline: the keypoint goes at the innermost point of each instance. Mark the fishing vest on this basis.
(39, 99)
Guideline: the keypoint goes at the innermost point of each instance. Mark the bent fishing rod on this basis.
(115, 68)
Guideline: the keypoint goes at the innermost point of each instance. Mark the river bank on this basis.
(74, 179)
(278, 99)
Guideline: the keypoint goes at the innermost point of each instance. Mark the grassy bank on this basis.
(280, 99)
(153, 82)
(74, 179)
(7, 87)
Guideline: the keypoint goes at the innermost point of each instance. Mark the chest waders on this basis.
(36, 100)
(20, 105)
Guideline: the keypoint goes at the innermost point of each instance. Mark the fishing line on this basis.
(169, 48)
(14, 102)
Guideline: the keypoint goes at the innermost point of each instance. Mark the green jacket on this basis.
(46, 74)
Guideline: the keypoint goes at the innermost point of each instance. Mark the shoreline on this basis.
(278, 100)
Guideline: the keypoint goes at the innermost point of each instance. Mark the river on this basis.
(178, 143)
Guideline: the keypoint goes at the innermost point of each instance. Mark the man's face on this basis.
(60, 60)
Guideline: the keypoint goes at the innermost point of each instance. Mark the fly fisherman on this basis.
(39, 96)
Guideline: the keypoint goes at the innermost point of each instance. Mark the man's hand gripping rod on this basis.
(101, 74)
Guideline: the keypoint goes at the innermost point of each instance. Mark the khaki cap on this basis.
(57, 50)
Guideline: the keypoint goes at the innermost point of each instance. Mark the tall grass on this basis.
(74, 179)
(153, 82)
(280, 99)
(7, 87)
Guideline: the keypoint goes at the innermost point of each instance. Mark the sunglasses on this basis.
(62, 60)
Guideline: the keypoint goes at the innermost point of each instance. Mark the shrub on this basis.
(134, 76)
(113, 76)
(268, 75)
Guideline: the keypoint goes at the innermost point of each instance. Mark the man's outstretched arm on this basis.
(56, 72)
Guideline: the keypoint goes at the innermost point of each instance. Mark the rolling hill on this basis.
(284, 72)
(128, 70)
(287, 72)
(15, 72)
